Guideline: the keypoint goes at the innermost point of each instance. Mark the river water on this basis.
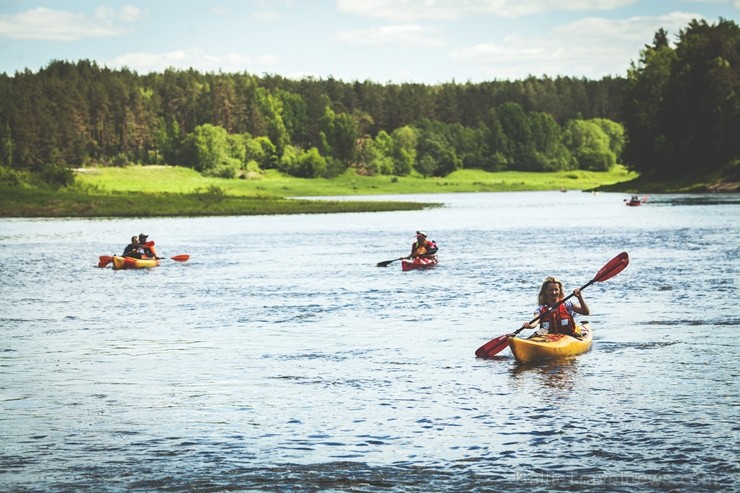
(280, 358)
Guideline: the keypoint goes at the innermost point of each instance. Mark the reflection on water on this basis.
(279, 357)
(557, 374)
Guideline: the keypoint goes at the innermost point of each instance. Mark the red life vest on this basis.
(557, 321)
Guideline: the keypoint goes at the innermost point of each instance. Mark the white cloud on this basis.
(144, 62)
(634, 29)
(61, 25)
(404, 10)
(405, 35)
(591, 47)
(129, 13)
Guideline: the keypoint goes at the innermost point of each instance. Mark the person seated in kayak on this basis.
(147, 250)
(422, 247)
(559, 320)
(133, 249)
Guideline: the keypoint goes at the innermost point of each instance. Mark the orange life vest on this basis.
(419, 248)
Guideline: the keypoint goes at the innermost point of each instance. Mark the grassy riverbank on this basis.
(161, 179)
(141, 191)
(18, 202)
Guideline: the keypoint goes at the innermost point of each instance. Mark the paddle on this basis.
(386, 263)
(611, 269)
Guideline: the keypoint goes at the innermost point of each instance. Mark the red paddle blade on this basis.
(104, 260)
(613, 267)
(493, 347)
(181, 258)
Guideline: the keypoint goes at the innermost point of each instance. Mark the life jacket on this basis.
(148, 250)
(428, 247)
(557, 321)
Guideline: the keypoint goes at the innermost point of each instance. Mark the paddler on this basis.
(133, 249)
(559, 320)
(148, 250)
(422, 247)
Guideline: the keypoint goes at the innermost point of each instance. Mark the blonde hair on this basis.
(542, 297)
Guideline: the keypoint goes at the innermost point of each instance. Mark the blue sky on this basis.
(424, 41)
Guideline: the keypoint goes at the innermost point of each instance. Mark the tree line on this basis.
(682, 104)
(672, 104)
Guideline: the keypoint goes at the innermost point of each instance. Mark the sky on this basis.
(384, 41)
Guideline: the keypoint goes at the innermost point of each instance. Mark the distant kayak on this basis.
(419, 263)
(133, 263)
(635, 201)
(549, 346)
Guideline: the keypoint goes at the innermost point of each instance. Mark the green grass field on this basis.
(169, 179)
(141, 191)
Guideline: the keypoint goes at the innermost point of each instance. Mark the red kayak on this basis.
(635, 201)
(419, 263)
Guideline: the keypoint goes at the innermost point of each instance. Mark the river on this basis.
(280, 358)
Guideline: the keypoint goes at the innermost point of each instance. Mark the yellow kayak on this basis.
(133, 263)
(551, 345)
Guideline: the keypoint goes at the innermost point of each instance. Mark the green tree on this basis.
(514, 125)
(644, 94)
(295, 116)
(435, 156)
(6, 146)
(303, 164)
(376, 155)
(469, 144)
(682, 105)
(701, 111)
(209, 151)
(339, 134)
(343, 137)
(270, 108)
(547, 152)
(615, 131)
(311, 164)
(404, 150)
(589, 145)
(497, 143)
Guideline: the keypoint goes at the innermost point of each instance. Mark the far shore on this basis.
(145, 191)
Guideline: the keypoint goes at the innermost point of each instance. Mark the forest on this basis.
(675, 113)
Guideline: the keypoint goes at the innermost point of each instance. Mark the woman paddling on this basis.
(559, 320)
